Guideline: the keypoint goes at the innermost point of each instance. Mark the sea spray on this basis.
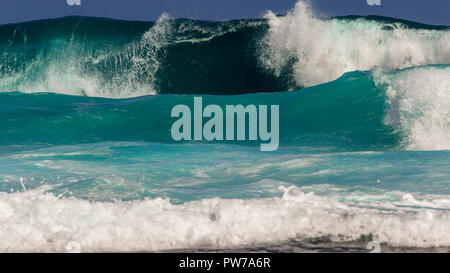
(213, 129)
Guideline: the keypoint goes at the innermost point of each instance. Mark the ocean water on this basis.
(87, 161)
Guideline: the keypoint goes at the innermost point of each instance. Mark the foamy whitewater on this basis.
(87, 163)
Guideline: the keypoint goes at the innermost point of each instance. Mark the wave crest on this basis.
(321, 50)
(419, 105)
(38, 221)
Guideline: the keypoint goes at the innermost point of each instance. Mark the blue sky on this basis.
(426, 11)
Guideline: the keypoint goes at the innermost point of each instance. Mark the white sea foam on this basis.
(322, 50)
(419, 105)
(76, 70)
(38, 221)
(112, 70)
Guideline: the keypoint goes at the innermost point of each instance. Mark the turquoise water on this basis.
(86, 153)
(136, 170)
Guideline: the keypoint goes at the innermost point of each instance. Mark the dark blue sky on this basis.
(426, 11)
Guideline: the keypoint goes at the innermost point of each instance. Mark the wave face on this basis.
(305, 116)
(119, 59)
